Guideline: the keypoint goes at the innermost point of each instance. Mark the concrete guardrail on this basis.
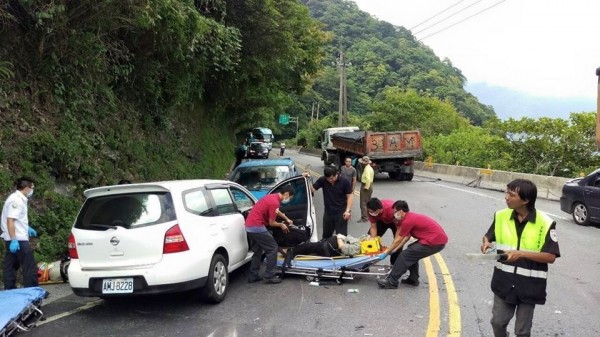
(548, 187)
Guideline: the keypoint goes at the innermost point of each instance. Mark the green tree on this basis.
(471, 146)
(396, 109)
(281, 49)
(552, 146)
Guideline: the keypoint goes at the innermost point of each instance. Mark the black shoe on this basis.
(289, 255)
(410, 282)
(386, 284)
(273, 280)
(254, 279)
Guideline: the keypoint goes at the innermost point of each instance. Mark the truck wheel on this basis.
(392, 175)
(399, 175)
(408, 176)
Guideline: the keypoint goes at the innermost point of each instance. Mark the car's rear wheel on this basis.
(581, 214)
(218, 280)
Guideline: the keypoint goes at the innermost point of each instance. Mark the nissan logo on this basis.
(114, 241)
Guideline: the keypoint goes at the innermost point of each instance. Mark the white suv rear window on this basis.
(126, 210)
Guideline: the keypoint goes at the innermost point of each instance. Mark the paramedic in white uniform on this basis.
(16, 233)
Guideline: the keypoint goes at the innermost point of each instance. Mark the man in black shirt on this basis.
(337, 196)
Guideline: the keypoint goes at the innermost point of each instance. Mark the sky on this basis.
(542, 48)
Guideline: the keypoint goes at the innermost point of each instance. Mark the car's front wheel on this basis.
(581, 214)
(218, 280)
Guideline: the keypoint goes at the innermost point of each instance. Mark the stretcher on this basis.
(339, 268)
(20, 309)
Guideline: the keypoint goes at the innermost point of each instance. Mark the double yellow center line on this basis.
(454, 320)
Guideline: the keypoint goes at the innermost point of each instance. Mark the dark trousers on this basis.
(382, 227)
(281, 151)
(365, 195)
(503, 312)
(334, 222)
(22, 258)
(408, 260)
(325, 247)
(263, 243)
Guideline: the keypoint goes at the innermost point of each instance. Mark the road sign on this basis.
(284, 119)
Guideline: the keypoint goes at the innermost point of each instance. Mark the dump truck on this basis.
(392, 152)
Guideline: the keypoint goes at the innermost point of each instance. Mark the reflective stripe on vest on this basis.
(522, 271)
(532, 239)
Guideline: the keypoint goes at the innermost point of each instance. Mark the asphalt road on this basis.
(453, 298)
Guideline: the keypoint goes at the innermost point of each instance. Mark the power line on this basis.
(448, 17)
(438, 13)
(463, 20)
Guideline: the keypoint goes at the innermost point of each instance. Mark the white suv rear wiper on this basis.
(103, 226)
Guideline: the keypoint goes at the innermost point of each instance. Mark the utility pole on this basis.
(598, 110)
(295, 120)
(343, 101)
(318, 107)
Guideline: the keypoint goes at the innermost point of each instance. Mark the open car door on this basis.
(300, 209)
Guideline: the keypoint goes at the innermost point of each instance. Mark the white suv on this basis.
(168, 236)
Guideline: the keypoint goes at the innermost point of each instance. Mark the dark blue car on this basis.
(581, 197)
(259, 176)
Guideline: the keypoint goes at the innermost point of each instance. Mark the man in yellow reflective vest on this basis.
(528, 240)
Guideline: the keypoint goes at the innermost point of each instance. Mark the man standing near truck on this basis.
(366, 189)
(348, 171)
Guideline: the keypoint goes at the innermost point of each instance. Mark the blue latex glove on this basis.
(32, 232)
(382, 256)
(14, 246)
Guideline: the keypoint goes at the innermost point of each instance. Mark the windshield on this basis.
(260, 177)
(126, 210)
(262, 134)
(258, 146)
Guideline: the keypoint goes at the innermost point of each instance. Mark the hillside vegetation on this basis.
(95, 91)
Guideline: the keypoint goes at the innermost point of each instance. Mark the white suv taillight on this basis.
(72, 245)
(174, 241)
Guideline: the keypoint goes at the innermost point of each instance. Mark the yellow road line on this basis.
(454, 321)
(454, 317)
(433, 328)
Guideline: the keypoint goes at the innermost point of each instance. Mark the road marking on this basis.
(87, 306)
(454, 322)
(491, 197)
(466, 191)
(433, 328)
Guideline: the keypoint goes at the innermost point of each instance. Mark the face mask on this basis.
(374, 214)
(397, 216)
(285, 201)
(30, 193)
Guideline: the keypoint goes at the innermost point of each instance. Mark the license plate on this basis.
(117, 286)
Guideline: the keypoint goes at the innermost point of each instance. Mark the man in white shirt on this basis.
(16, 233)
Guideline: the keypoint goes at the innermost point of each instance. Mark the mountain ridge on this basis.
(511, 103)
